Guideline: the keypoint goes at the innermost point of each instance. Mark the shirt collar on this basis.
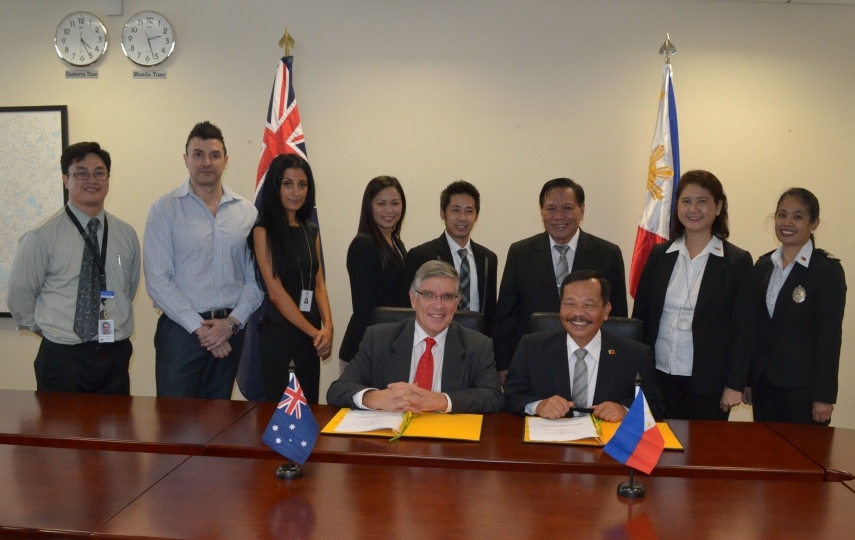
(420, 335)
(185, 189)
(803, 258)
(593, 347)
(714, 247)
(455, 247)
(573, 243)
(83, 217)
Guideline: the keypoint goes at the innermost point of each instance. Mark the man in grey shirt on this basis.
(199, 274)
(74, 272)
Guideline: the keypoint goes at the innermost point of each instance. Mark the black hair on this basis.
(368, 226)
(78, 151)
(709, 182)
(460, 187)
(585, 275)
(205, 131)
(562, 183)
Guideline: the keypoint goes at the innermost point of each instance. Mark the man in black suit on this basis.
(429, 363)
(459, 207)
(581, 366)
(536, 267)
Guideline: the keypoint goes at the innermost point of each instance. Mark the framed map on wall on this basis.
(32, 139)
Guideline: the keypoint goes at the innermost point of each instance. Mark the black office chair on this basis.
(622, 326)
(467, 319)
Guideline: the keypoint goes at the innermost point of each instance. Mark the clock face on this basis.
(147, 38)
(81, 39)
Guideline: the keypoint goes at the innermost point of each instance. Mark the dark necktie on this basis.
(88, 289)
(580, 380)
(424, 370)
(465, 299)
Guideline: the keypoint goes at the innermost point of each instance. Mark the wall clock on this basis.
(81, 39)
(147, 38)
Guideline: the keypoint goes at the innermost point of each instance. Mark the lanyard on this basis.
(101, 260)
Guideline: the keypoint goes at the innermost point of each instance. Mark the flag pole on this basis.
(290, 470)
(667, 49)
(286, 42)
(630, 489)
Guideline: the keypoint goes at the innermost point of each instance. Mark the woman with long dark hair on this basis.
(297, 323)
(800, 303)
(695, 301)
(375, 259)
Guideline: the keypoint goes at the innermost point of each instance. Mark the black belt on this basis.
(215, 314)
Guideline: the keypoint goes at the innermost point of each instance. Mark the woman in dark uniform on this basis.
(695, 301)
(297, 323)
(375, 259)
(802, 294)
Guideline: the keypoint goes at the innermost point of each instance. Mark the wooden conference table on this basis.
(120, 467)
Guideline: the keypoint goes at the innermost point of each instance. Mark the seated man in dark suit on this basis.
(581, 366)
(429, 363)
(536, 267)
(459, 207)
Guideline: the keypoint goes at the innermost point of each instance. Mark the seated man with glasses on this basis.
(581, 367)
(74, 273)
(429, 363)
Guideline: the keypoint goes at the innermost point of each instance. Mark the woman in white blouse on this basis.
(695, 299)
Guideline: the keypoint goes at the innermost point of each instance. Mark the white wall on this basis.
(504, 94)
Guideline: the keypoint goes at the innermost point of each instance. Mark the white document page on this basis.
(357, 421)
(562, 429)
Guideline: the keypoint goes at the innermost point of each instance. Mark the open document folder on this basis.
(583, 430)
(462, 427)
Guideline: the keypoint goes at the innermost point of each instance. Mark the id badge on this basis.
(105, 331)
(684, 319)
(306, 300)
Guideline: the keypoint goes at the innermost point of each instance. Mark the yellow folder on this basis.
(430, 425)
(607, 431)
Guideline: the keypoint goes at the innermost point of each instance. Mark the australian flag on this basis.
(292, 430)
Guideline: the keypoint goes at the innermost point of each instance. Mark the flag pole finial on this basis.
(286, 42)
(668, 49)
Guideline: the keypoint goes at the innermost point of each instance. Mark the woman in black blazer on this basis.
(695, 301)
(375, 259)
(800, 302)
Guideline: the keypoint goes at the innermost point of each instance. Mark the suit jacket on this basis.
(724, 321)
(541, 369)
(486, 264)
(800, 344)
(528, 285)
(468, 370)
(371, 285)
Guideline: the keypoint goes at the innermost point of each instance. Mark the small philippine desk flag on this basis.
(637, 442)
(292, 430)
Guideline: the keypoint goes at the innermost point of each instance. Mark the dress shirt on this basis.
(674, 347)
(195, 261)
(42, 290)
(780, 274)
(571, 253)
(474, 298)
(592, 361)
(419, 346)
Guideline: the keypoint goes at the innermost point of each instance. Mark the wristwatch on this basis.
(233, 325)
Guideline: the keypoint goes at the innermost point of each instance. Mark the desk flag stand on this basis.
(630, 489)
(290, 470)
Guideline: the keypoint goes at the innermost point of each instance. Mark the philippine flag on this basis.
(663, 173)
(637, 442)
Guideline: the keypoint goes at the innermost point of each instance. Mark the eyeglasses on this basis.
(84, 175)
(443, 298)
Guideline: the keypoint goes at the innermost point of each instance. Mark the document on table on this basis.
(356, 421)
(561, 430)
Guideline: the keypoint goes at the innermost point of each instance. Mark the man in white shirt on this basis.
(580, 368)
(428, 363)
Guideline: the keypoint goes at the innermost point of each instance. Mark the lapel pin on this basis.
(799, 294)
(612, 352)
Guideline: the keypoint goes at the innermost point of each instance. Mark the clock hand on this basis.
(149, 44)
(88, 48)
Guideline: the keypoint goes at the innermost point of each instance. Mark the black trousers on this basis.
(683, 403)
(86, 368)
(776, 404)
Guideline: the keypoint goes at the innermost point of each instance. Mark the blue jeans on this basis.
(183, 368)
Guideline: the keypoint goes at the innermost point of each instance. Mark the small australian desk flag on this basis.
(292, 430)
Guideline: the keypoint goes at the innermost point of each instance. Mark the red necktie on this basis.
(424, 371)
